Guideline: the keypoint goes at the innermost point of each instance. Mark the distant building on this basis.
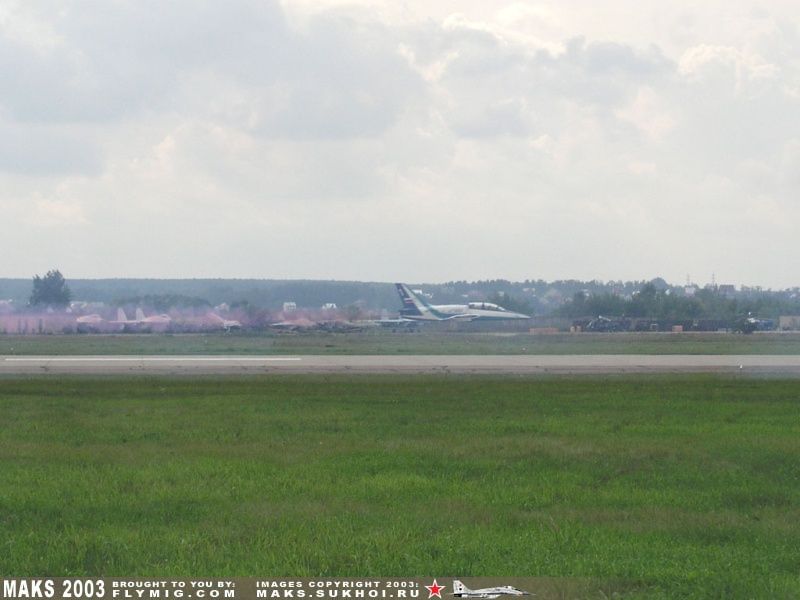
(86, 305)
(329, 306)
(553, 297)
(727, 290)
(289, 306)
(690, 290)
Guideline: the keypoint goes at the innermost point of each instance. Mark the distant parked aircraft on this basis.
(226, 324)
(417, 308)
(141, 322)
(299, 324)
(161, 319)
(93, 319)
(90, 323)
(122, 318)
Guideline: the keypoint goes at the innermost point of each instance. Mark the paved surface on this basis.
(607, 363)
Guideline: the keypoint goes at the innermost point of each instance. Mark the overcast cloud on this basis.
(401, 141)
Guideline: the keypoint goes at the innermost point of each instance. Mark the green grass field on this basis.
(659, 487)
(381, 342)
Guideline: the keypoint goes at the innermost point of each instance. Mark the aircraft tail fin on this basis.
(121, 316)
(459, 588)
(139, 314)
(412, 304)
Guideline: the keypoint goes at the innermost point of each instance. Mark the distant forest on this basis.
(566, 298)
(262, 293)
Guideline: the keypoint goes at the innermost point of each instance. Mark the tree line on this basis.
(650, 302)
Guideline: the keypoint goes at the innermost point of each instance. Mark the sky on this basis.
(412, 141)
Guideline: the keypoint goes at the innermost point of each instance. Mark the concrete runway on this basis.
(498, 364)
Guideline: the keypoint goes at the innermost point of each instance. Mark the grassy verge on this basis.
(681, 486)
(378, 342)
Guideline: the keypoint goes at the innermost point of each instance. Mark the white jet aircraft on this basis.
(418, 309)
(462, 591)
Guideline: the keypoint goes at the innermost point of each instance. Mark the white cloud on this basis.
(649, 113)
(58, 213)
(722, 64)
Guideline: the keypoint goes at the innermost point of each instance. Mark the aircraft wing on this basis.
(401, 322)
(462, 317)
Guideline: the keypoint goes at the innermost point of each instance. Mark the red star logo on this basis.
(435, 589)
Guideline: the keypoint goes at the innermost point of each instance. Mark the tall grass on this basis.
(668, 486)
